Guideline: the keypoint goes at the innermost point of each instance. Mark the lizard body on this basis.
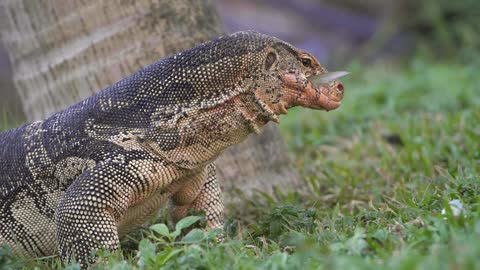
(84, 177)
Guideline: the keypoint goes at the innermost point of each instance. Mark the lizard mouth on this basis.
(320, 92)
(324, 97)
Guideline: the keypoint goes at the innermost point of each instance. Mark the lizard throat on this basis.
(265, 112)
(256, 113)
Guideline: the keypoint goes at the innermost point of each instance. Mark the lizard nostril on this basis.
(340, 87)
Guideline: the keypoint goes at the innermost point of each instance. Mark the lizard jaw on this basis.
(324, 98)
(306, 94)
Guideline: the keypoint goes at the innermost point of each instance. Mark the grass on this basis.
(379, 171)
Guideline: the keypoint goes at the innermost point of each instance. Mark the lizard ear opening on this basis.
(270, 60)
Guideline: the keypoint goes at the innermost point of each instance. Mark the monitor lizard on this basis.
(84, 177)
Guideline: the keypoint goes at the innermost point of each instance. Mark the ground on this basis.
(379, 171)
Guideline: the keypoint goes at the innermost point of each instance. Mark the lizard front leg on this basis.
(201, 193)
(88, 216)
(85, 217)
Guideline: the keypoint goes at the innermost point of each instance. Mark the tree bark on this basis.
(11, 111)
(63, 51)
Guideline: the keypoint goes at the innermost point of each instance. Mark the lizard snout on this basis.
(329, 88)
(327, 97)
(311, 93)
(334, 90)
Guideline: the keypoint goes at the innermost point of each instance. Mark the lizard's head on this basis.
(292, 77)
(260, 75)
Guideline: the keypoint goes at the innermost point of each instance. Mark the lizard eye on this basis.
(306, 62)
(270, 60)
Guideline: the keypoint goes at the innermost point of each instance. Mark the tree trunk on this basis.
(63, 51)
(11, 111)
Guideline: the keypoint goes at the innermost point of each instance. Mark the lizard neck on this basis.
(198, 137)
(254, 111)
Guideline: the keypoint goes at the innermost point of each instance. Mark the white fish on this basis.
(327, 77)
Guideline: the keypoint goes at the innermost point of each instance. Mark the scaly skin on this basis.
(84, 177)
